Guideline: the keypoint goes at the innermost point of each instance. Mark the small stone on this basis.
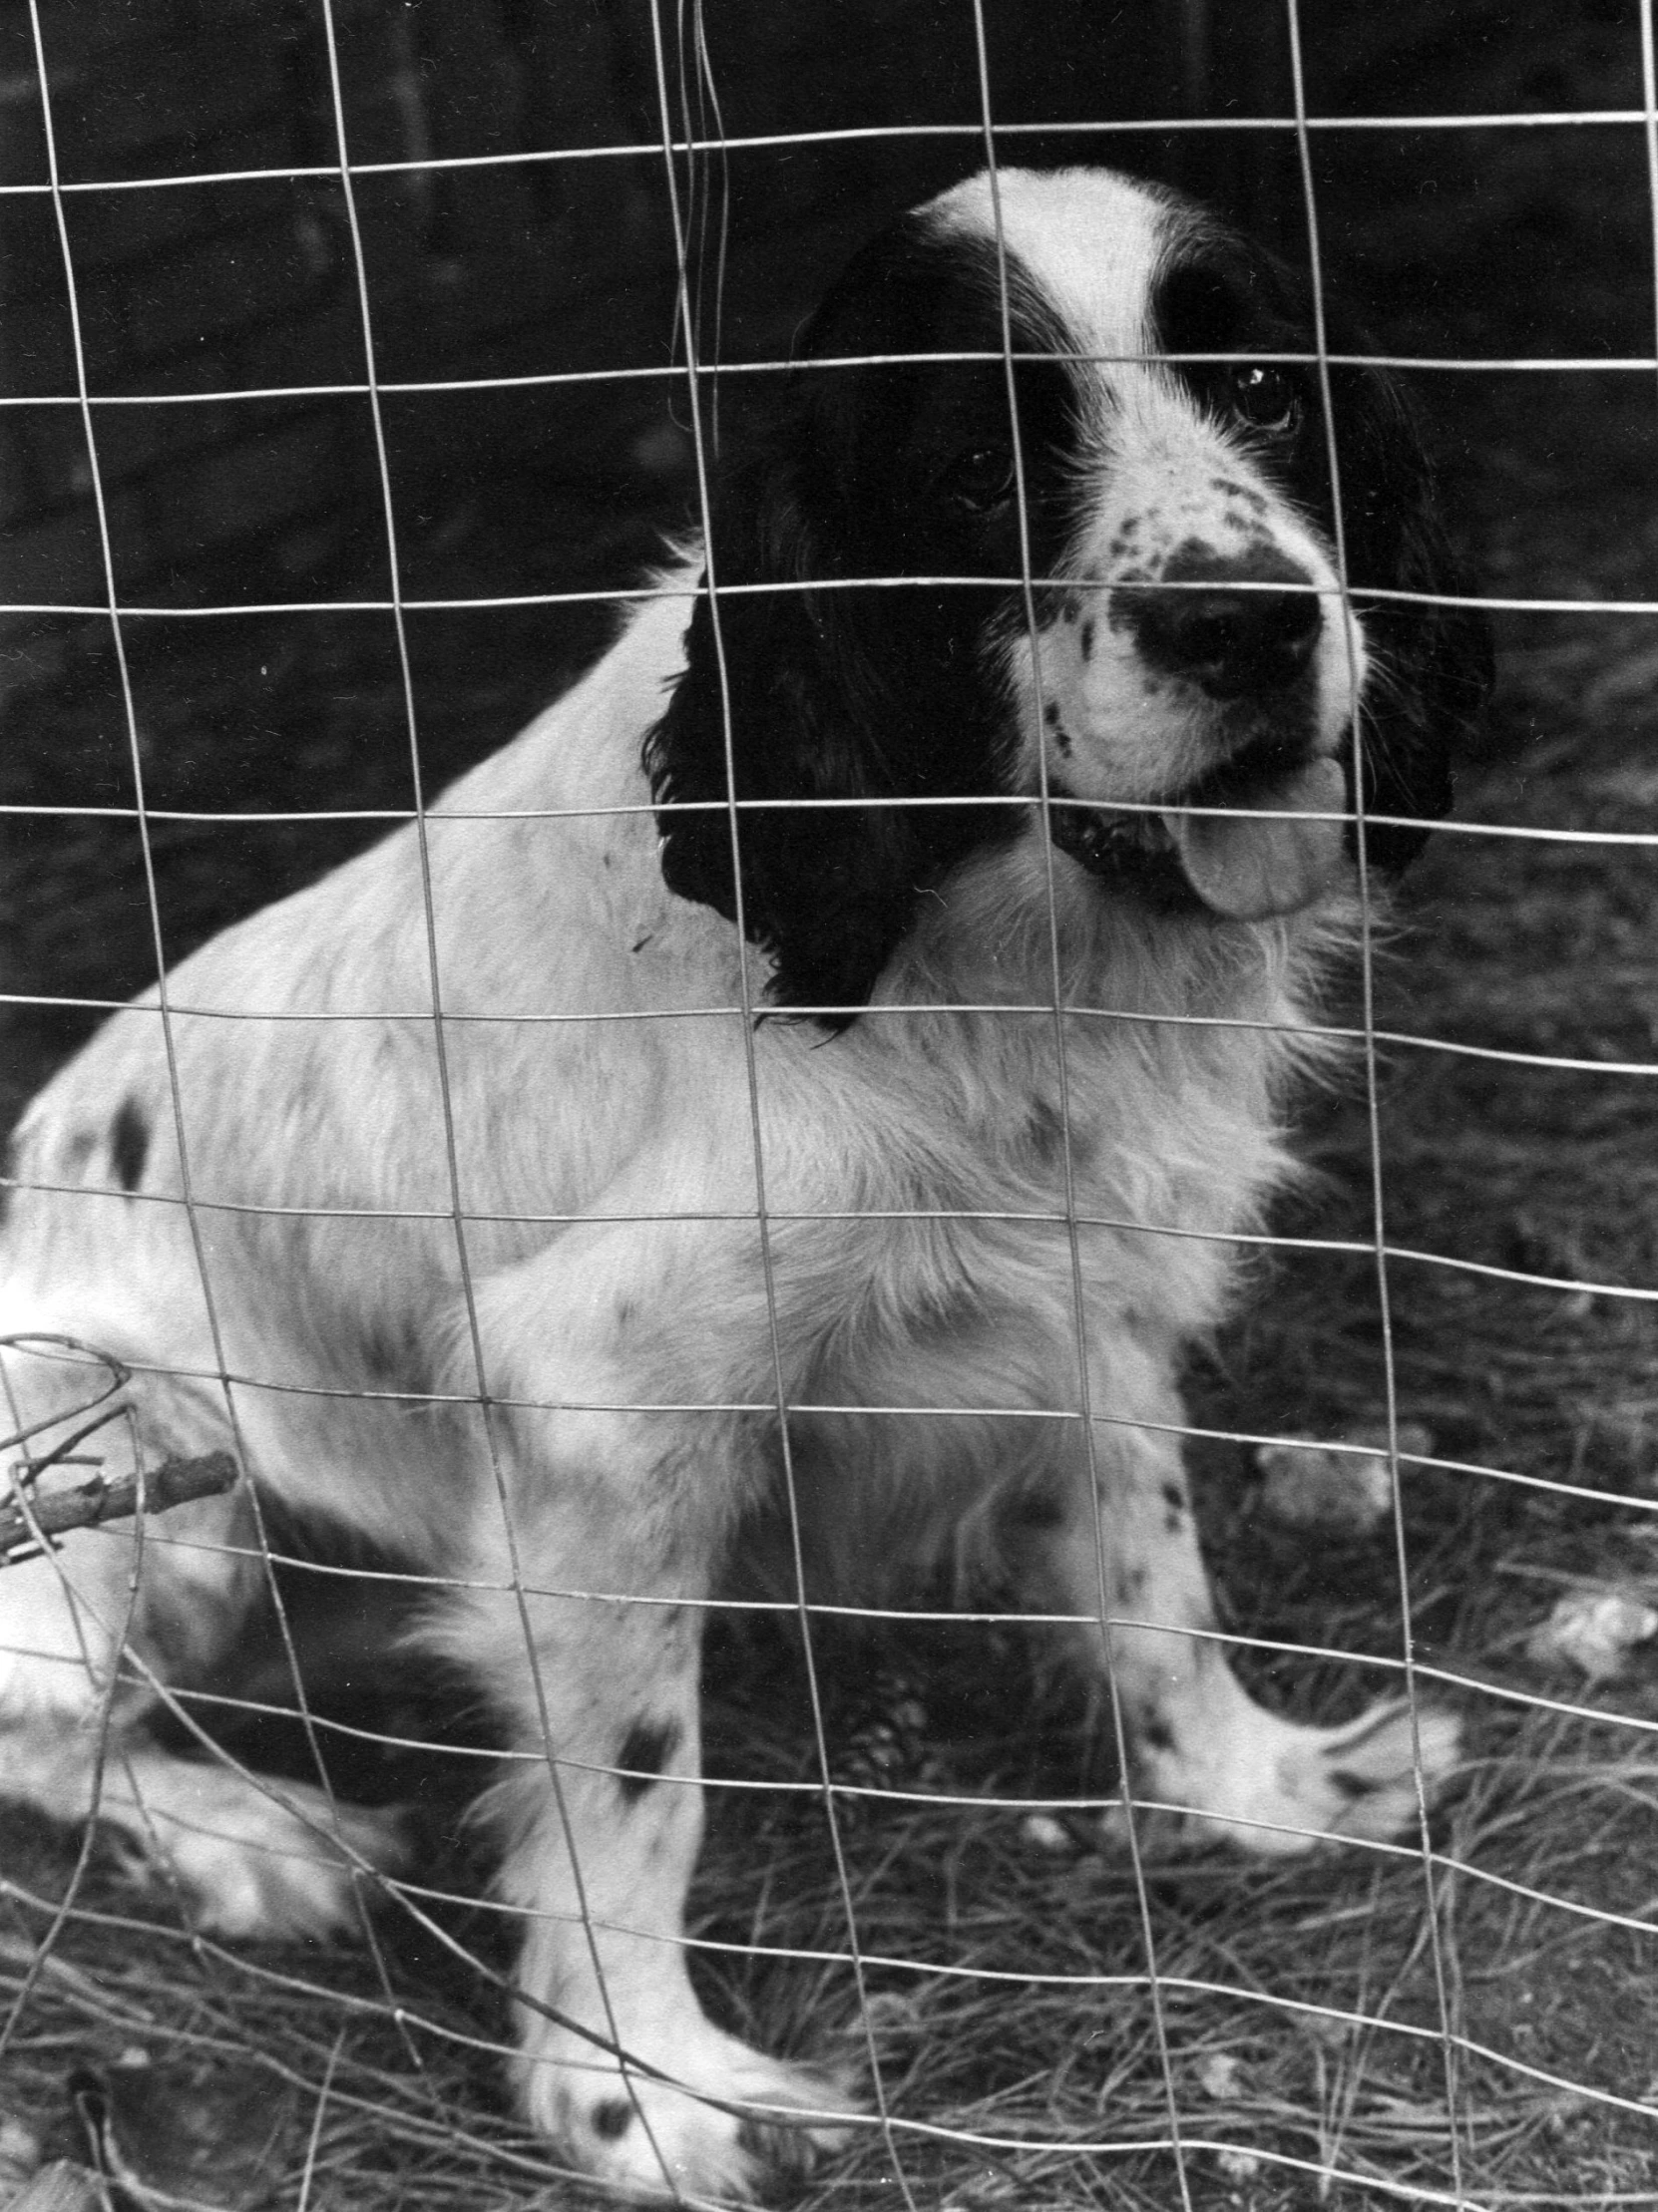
(1343, 1485)
(1043, 1833)
(1219, 2075)
(1594, 1630)
(19, 2154)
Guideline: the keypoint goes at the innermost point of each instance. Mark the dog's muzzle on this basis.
(1270, 848)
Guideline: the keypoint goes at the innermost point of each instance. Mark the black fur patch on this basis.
(646, 1748)
(612, 2119)
(1350, 1786)
(869, 694)
(1156, 1736)
(129, 1144)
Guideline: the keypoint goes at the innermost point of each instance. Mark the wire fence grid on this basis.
(1457, 2103)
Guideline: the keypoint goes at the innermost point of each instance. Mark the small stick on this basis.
(173, 1483)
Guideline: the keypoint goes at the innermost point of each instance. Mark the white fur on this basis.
(607, 1099)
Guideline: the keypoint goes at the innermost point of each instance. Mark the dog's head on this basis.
(1184, 644)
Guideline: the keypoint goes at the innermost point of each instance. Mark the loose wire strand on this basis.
(111, 611)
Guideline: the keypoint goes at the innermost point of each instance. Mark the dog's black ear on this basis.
(808, 689)
(779, 703)
(816, 695)
(1433, 662)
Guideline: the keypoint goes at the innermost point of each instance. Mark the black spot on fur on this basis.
(129, 1144)
(1038, 1509)
(1350, 1785)
(1087, 641)
(1174, 1498)
(1231, 488)
(1156, 1736)
(389, 1348)
(640, 943)
(1047, 1134)
(646, 1748)
(612, 2119)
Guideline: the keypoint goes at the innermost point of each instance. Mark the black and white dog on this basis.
(1036, 890)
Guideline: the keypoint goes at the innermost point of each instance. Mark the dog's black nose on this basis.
(1221, 625)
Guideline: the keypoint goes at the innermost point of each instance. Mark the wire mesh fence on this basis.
(925, 1871)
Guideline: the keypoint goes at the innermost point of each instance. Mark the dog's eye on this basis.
(1267, 398)
(981, 478)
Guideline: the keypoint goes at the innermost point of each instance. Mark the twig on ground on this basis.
(174, 1482)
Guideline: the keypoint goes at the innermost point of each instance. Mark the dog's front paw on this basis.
(1371, 1779)
(265, 1860)
(1275, 1788)
(727, 2124)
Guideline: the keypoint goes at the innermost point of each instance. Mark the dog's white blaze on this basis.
(1093, 240)
(1158, 471)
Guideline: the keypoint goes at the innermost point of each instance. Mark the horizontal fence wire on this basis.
(499, 602)
(554, 379)
(1522, 119)
(1170, 2135)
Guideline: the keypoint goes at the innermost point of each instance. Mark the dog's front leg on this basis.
(602, 1527)
(1122, 1549)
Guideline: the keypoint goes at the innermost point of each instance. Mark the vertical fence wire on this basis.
(1073, 1247)
(535, 2000)
(124, 1654)
(779, 1378)
(1372, 1099)
(1649, 93)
